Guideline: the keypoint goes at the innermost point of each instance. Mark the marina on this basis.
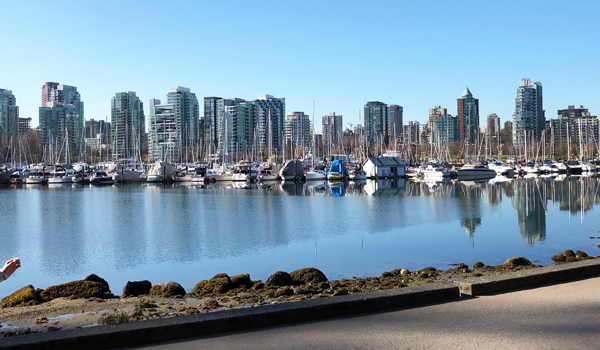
(186, 231)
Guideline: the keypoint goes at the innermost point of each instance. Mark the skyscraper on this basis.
(9, 116)
(574, 125)
(445, 128)
(62, 119)
(395, 128)
(332, 128)
(211, 119)
(270, 110)
(163, 137)
(128, 125)
(174, 125)
(256, 123)
(298, 133)
(529, 116)
(493, 124)
(468, 116)
(376, 122)
(47, 91)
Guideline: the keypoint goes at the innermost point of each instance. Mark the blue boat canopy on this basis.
(338, 167)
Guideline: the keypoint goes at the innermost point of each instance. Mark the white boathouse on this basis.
(384, 167)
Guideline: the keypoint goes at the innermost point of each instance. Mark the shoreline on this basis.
(90, 302)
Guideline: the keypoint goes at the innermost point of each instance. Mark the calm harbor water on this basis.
(186, 234)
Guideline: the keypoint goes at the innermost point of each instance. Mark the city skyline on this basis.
(421, 65)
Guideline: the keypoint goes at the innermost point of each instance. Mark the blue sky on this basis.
(340, 54)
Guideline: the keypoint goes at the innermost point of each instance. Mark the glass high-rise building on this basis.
(395, 128)
(9, 116)
(128, 125)
(333, 128)
(298, 133)
(251, 123)
(468, 116)
(445, 127)
(376, 122)
(61, 121)
(529, 117)
(211, 119)
(174, 126)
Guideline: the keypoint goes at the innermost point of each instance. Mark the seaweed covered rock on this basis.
(279, 279)
(516, 262)
(96, 278)
(241, 281)
(136, 288)
(167, 290)
(23, 297)
(478, 265)
(218, 284)
(308, 275)
(581, 255)
(427, 272)
(76, 290)
(566, 256)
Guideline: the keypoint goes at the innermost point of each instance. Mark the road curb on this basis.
(528, 278)
(153, 331)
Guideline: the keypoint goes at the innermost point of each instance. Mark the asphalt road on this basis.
(561, 316)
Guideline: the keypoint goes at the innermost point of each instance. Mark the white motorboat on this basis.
(35, 178)
(61, 175)
(435, 172)
(475, 171)
(81, 178)
(182, 176)
(501, 169)
(356, 174)
(100, 177)
(316, 175)
(160, 171)
(531, 168)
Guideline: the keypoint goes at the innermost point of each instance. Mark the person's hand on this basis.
(11, 266)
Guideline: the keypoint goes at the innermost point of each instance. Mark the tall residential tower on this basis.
(468, 117)
(128, 125)
(529, 117)
(9, 116)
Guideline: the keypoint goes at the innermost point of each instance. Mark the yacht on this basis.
(435, 172)
(100, 177)
(475, 170)
(81, 178)
(60, 175)
(267, 175)
(159, 172)
(316, 175)
(356, 174)
(502, 169)
(17, 177)
(531, 168)
(35, 178)
(244, 172)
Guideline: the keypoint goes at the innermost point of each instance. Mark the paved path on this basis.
(562, 316)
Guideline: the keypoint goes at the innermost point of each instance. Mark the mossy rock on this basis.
(241, 281)
(218, 284)
(581, 255)
(96, 278)
(167, 290)
(308, 275)
(23, 297)
(564, 256)
(478, 265)
(136, 288)
(279, 279)
(516, 262)
(76, 290)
